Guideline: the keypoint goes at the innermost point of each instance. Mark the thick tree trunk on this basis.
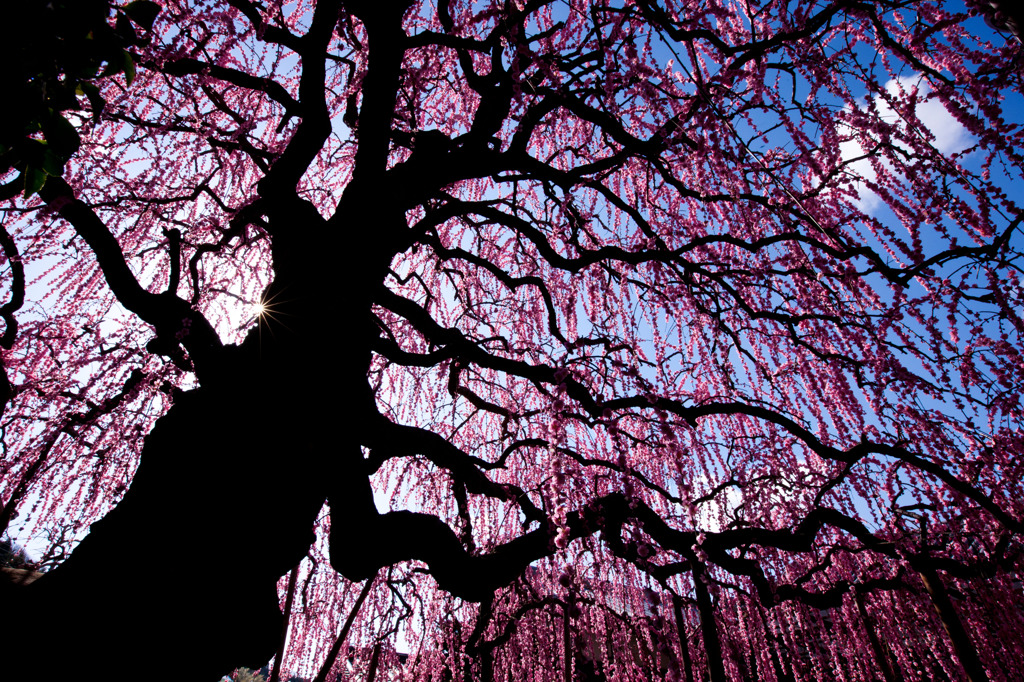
(282, 648)
(374, 662)
(781, 674)
(708, 624)
(183, 571)
(962, 644)
(684, 644)
(890, 673)
(332, 655)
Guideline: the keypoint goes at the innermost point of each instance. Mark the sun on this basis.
(258, 313)
(267, 310)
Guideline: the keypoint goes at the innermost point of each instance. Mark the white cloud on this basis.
(714, 515)
(947, 134)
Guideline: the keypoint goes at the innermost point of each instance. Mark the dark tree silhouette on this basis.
(676, 338)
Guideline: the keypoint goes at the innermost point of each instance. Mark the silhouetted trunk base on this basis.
(179, 580)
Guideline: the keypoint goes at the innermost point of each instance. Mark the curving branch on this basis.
(170, 316)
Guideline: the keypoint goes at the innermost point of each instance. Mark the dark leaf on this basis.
(62, 96)
(87, 66)
(114, 66)
(143, 12)
(53, 164)
(96, 101)
(129, 69)
(62, 136)
(35, 178)
(125, 29)
(31, 151)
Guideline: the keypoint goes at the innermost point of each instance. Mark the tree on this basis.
(679, 336)
(13, 555)
(246, 675)
(54, 51)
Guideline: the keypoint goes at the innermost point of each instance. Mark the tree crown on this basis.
(654, 298)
